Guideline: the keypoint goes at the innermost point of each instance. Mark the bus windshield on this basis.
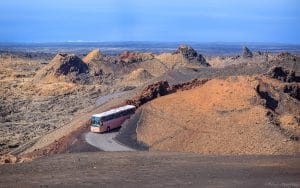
(95, 121)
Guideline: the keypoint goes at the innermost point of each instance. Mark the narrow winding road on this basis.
(106, 141)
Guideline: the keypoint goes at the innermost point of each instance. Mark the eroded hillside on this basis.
(237, 115)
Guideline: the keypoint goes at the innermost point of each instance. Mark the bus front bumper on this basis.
(95, 129)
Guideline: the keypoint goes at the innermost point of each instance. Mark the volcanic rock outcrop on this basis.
(293, 90)
(247, 52)
(162, 88)
(283, 74)
(151, 92)
(93, 60)
(93, 55)
(191, 55)
(65, 67)
(134, 57)
(285, 56)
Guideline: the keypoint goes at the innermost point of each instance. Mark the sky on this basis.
(276, 21)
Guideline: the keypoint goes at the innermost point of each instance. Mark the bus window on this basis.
(130, 111)
(124, 113)
(114, 116)
(107, 118)
(95, 121)
(119, 114)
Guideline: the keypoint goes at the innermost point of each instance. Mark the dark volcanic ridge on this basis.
(63, 66)
(69, 67)
(191, 55)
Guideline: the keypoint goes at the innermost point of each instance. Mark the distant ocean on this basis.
(113, 48)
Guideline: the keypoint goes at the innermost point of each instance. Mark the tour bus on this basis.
(111, 119)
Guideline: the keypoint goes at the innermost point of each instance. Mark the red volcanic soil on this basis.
(223, 116)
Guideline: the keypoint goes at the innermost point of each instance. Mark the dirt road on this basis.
(153, 169)
(105, 141)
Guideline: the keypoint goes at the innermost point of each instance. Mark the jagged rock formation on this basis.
(282, 100)
(93, 60)
(134, 57)
(189, 85)
(247, 52)
(67, 67)
(285, 56)
(293, 90)
(162, 88)
(93, 55)
(280, 73)
(151, 92)
(191, 55)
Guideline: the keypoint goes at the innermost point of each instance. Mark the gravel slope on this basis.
(153, 169)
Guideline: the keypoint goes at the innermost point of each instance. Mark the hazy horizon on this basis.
(114, 48)
(150, 42)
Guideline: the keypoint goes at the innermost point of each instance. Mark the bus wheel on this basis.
(108, 129)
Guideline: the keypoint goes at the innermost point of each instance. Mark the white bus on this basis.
(106, 121)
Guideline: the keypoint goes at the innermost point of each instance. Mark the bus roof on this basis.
(113, 111)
